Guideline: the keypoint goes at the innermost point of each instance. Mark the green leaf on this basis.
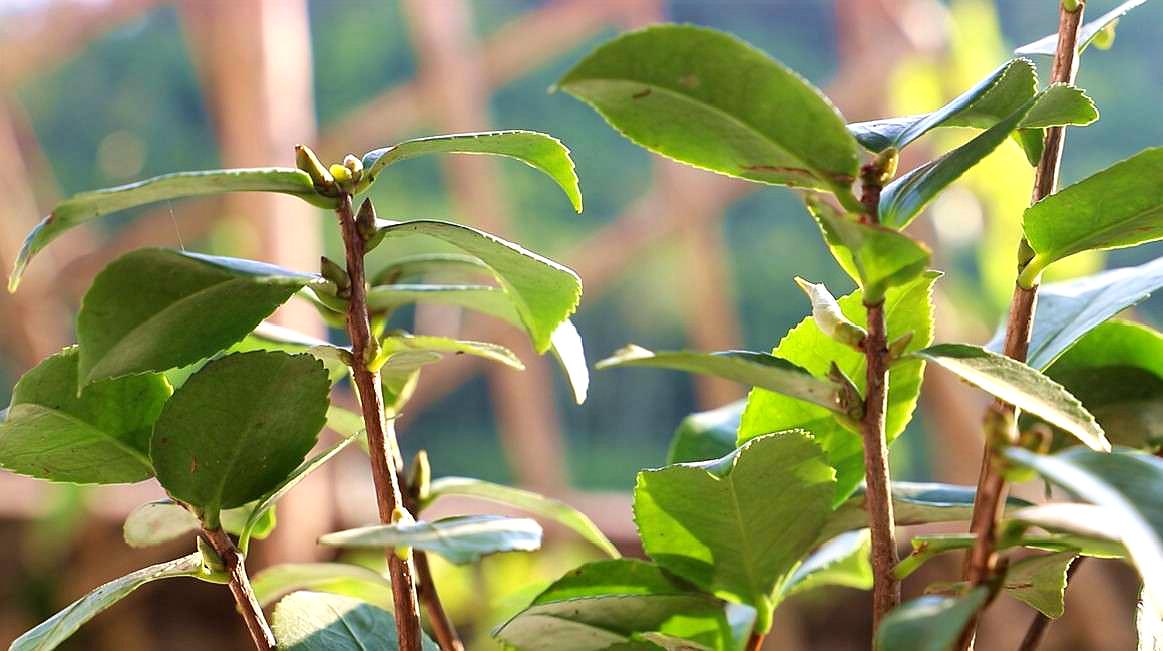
(608, 602)
(876, 257)
(238, 428)
(160, 521)
(1118, 207)
(912, 503)
(1020, 386)
(1124, 485)
(535, 503)
(706, 435)
(710, 100)
(157, 309)
(459, 540)
(669, 642)
(1116, 371)
(710, 522)
(1068, 310)
(1048, 45)
(266, 503)
(52, 632)
(537, 150)
(100, 436)
(929, 623)
(410, 344)
(930, 546)
(982, 106)
(334, 578)
(754, 369)
(565, 343)
(543, 292)
(270, 336)
(314, 621)
(81, 208)
(409, 267)
(1040, 582)
(907, 309)
(843, 561)
(1061, 105)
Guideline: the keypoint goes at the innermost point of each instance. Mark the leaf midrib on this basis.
(138, 455)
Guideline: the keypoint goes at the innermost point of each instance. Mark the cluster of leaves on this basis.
(763, 498)
(176, 376)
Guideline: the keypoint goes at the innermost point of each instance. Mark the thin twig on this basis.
(384, 471)
(1041, 622)
(755, 642)
(981, 562)
(248, 607)
(886, 588)
(442, 627)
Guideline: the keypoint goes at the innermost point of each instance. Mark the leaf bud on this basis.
(828, 317)
(306, 160)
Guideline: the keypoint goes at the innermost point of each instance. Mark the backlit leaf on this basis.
(460, 539)
(929, 623)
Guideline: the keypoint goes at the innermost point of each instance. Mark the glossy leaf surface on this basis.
(708, 99)
(459, 539)
(537, 150)
(99, 436)
(238, 428)
(157, 309)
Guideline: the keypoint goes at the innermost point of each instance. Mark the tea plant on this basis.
(768, 497)
(176, 376)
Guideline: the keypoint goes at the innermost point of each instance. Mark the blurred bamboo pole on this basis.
(254, 59)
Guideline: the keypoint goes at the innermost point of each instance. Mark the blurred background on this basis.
(102, 92)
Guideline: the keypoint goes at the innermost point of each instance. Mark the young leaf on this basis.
(543, 292)
(1118, 207)
(1048, 45)
(459, 540)
(907, 309)
(157, 309)
(100, 436)
(842, 561)
(929, 623)
(409, 343)
(874, 256)
(754, 369)
(708, 99)
(1116, 371)
(266, 503)
(1124, 486)
(986, 104)
(912, 503)
(53, 632)
(706, 435)
(334, 578)
(608, 602)
(705, 521)
(314, 621)
(238, 428)
(535, 503)
(1068, 310)
(1020, 386)
(537, 150)
(86, 206)
(1040, 582)
(565, 343)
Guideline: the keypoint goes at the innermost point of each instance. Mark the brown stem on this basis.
(446, 636)
(989, 503)
(256, 623)
(755, 642)
(384, 471)
(886, 588)
(1040, 623)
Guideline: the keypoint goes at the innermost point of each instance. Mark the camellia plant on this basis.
(771, 496)
(176, 376)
